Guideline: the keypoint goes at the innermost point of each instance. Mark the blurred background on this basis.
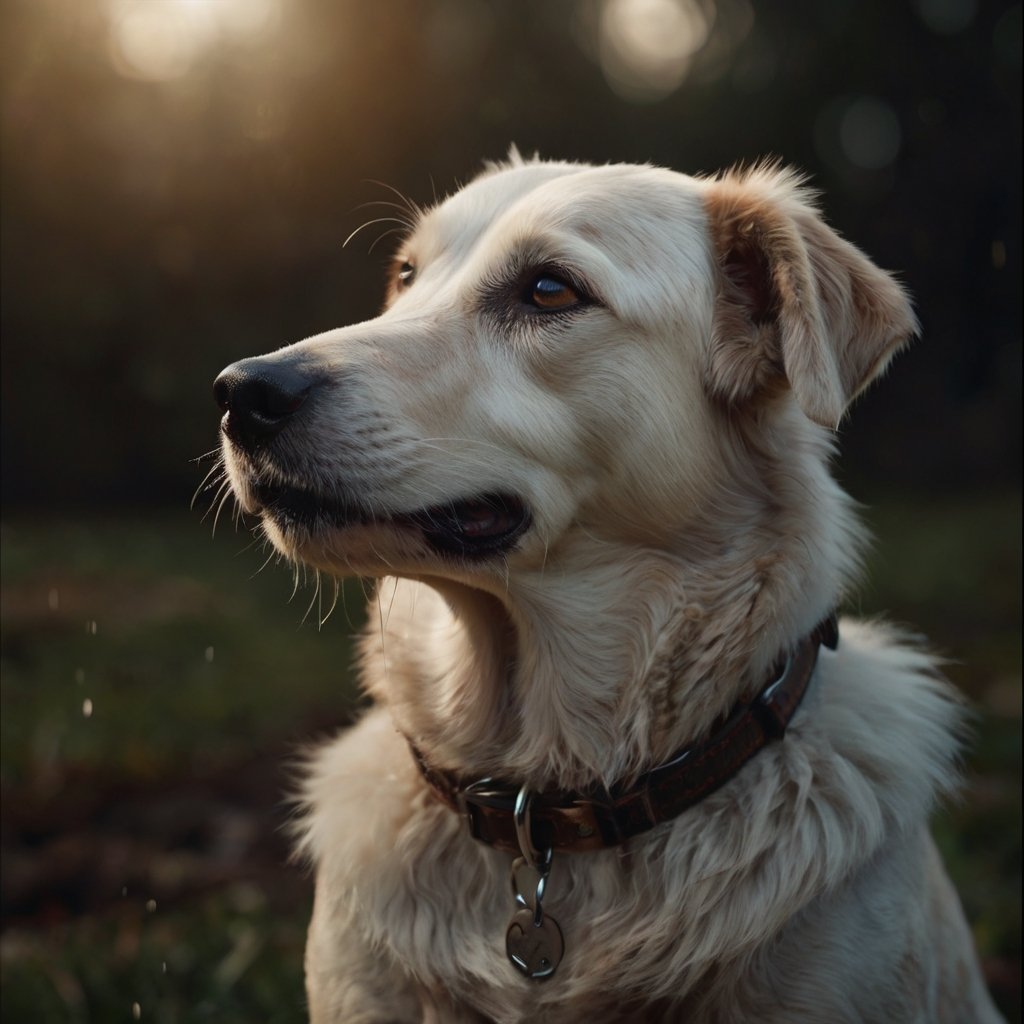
(179, 177)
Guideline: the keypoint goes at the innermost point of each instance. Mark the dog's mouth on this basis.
(476, 527)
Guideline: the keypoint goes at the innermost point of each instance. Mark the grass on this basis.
(181, 647)
(231, 957)
(189, 662)
(154, 682)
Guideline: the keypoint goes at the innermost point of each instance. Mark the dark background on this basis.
(179, 177)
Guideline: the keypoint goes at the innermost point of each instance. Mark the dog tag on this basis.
(535, 949)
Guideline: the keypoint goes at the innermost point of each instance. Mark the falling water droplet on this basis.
(87, 708)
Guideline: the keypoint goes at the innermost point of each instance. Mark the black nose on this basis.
(259, 396)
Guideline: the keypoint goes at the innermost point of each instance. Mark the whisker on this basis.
(436, 442)
(207, 455)
(220, 492)
(313, 599)
(406, 220)
(334, 600)
(391, 603)
(227, 495)
(266, 562)
(376, 220)
(380, 238)
(412, 207)
(381, 558)
(203, 486)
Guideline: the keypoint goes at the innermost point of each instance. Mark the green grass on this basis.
(192, 660)
(230, 957)
(181, 647)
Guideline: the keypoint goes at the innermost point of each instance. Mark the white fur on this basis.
(672, 446)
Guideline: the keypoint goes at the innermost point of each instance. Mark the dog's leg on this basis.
(349, 981)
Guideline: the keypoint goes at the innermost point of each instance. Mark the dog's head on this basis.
(562, 349)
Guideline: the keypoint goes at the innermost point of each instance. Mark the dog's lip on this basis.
(486, 524)
(475, 526)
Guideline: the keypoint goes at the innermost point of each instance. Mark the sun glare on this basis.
(647, 46)
(159, 40)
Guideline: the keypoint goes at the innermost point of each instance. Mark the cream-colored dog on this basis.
(585, 449)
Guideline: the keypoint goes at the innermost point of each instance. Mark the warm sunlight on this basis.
(160, 40)
(647, 45)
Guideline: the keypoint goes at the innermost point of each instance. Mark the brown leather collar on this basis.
(593, 819)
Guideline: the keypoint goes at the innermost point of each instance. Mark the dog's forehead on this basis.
(456, 223)
(598, 203)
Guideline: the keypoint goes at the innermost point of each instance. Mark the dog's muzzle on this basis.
(262, 396)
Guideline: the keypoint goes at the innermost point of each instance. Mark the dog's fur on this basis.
(670, 438)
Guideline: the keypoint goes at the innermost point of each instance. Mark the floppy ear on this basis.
(797, 304)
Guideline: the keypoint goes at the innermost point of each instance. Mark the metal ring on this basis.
(765, 696)
(520, 898)
(542, 870)
(521, 818)
(542, 882)
(538, 912)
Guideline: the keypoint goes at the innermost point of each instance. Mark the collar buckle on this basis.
(481, 800)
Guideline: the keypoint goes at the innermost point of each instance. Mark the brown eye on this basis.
(406, 272)
(549, 292)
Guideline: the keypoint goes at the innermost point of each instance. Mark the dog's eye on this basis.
(548, 292)
(406, 272)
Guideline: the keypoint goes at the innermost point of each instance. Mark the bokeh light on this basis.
(863, 133)
(160, 40)
(947, 16)
(647, 46)
(869, 132)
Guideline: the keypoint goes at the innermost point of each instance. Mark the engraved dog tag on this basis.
(536, 949)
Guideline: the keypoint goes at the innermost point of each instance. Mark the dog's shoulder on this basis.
(354, 790)
(884, 706)
(873, 747)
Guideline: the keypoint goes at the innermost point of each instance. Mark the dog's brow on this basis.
(535, 254)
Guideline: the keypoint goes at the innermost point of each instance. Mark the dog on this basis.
(622, 764)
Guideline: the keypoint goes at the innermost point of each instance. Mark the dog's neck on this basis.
(605, 661)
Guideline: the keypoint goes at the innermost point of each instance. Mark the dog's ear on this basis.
(796, 302)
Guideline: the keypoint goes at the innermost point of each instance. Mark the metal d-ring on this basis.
(541, 874)
(533, 858)
(772, 720)
(521, 817)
